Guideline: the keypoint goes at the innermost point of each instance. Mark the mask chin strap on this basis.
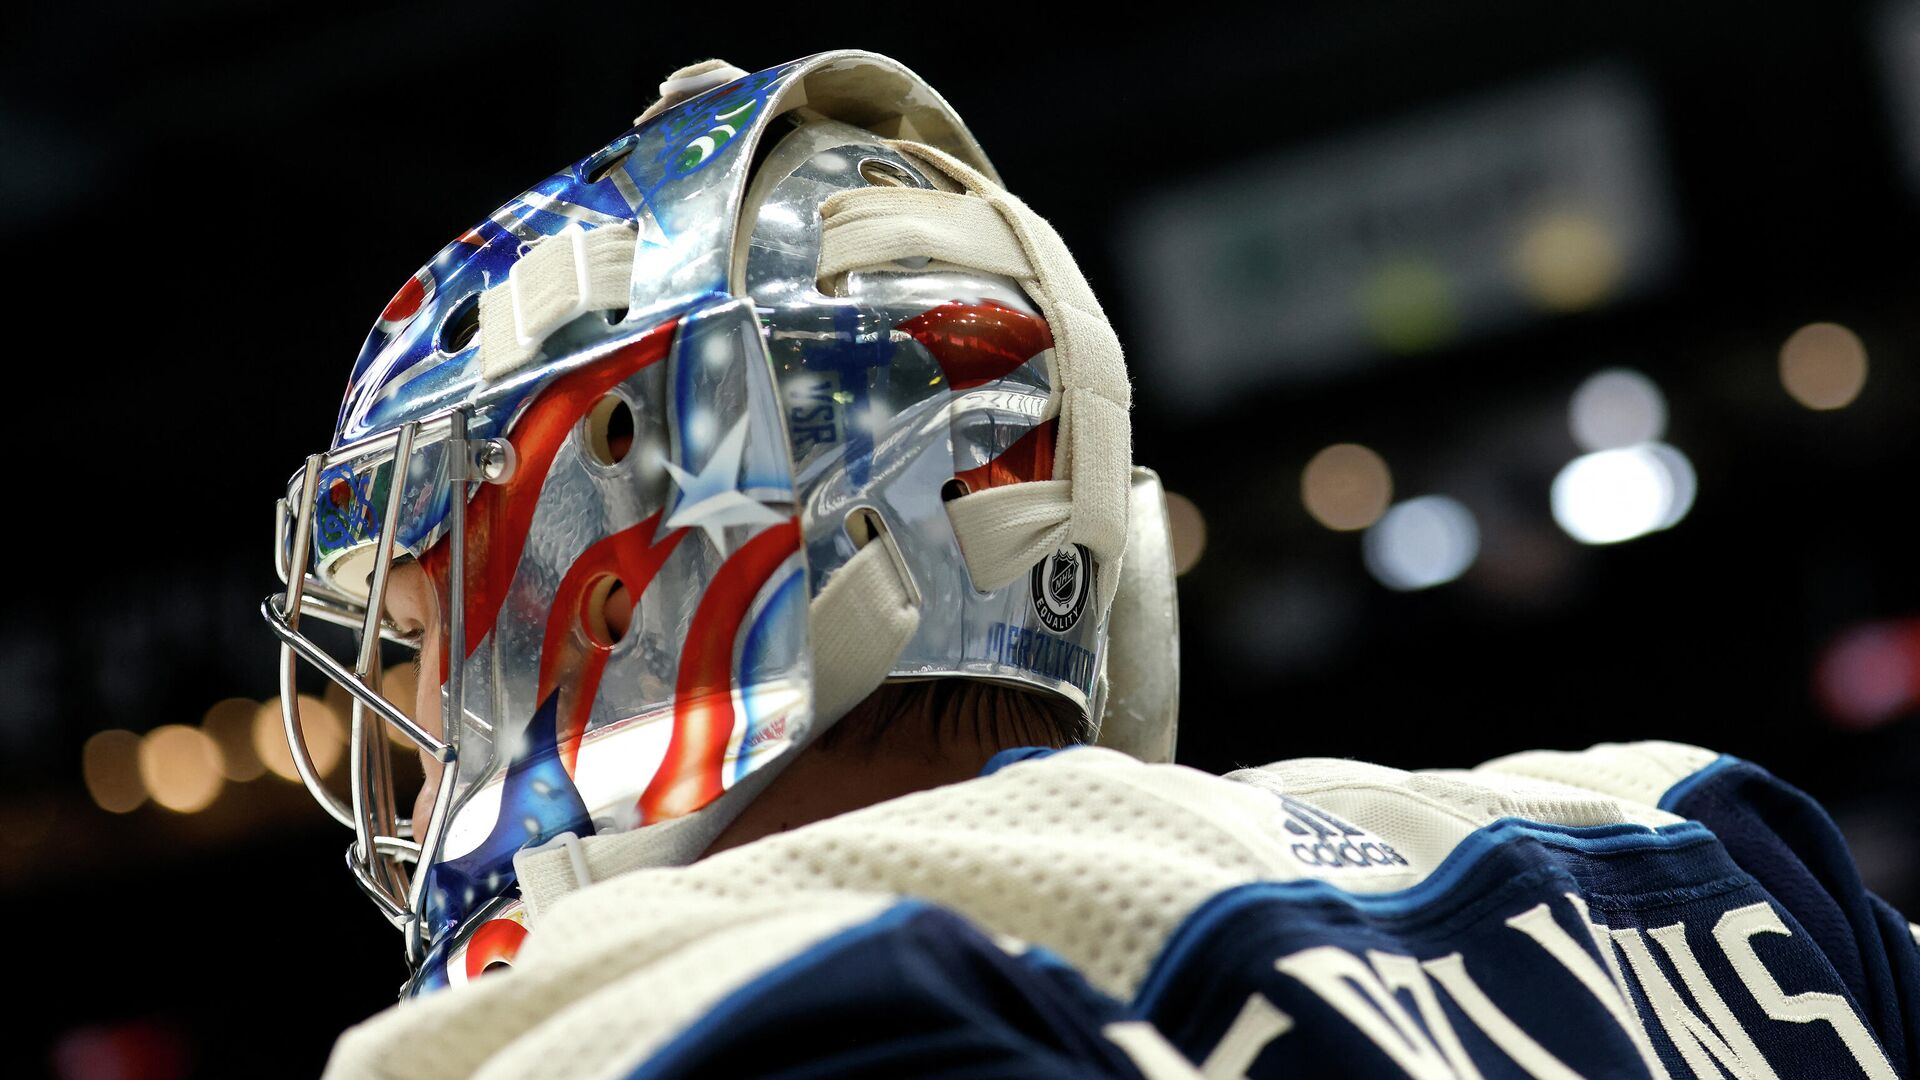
(866, 613)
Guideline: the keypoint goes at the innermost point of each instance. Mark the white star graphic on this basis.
(712, 499)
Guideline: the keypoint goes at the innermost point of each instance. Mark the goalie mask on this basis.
(784, 365)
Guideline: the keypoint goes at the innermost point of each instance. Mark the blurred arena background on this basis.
(1529, 375)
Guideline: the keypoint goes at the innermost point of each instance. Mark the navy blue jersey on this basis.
(1738, 943)
(1537, 951)
(915, 992)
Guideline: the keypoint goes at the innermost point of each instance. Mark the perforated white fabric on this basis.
(602, 1006)
(1089, 853)
(1635, 772)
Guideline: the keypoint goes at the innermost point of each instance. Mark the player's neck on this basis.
(826, 781)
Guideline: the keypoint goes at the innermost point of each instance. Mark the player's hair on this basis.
(1001, 715)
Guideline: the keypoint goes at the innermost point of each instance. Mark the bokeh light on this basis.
(1615, 408)
(1189, 530)
(1421, 543)
(25, 825)
(230, 723)
(1615, 495)
(180, 767)
(1680, 474)
(1346, 487)
(1409, 305)
(110, 765)
(326, 737)
(1870, 673)
(131, 1050)
(1568, 260)
(1823, 366)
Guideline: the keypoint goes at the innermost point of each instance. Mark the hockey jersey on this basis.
(1647, 910)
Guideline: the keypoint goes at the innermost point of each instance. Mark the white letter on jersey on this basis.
(1538, 923)
(1529, 1055)
(1334, 974)
(1403, 973)
(1149, 1050)
(1735, 932)
(1695, 1038)
(1435, 1053)
(1259, 1022)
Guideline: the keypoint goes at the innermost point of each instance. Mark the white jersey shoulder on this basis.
(1087, 852)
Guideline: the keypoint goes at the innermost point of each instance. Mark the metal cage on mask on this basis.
(384, 845)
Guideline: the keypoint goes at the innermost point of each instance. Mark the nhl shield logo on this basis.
(1061, 582)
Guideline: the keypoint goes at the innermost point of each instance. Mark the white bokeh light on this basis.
(1421, 543)
(1680, 474)
(1615, 495)
(1616, 408)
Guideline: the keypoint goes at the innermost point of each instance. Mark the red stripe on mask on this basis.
(1029, 458)
(500, 516)
(690, 776)
(978, 343)
(572, 657)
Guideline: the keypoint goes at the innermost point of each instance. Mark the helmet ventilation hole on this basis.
(604, 162)
(864, 525)
(954, 489)
(609, 430)
(606, 611)
(880, 172)
(496, 965)
(461, 325)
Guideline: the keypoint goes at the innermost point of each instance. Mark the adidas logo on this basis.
(1328, 842)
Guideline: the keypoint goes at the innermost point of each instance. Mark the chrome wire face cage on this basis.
(385, 850)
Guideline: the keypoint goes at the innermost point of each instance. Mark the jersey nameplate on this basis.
(1369, 991)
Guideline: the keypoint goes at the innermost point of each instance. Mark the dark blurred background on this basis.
(1538, 374)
